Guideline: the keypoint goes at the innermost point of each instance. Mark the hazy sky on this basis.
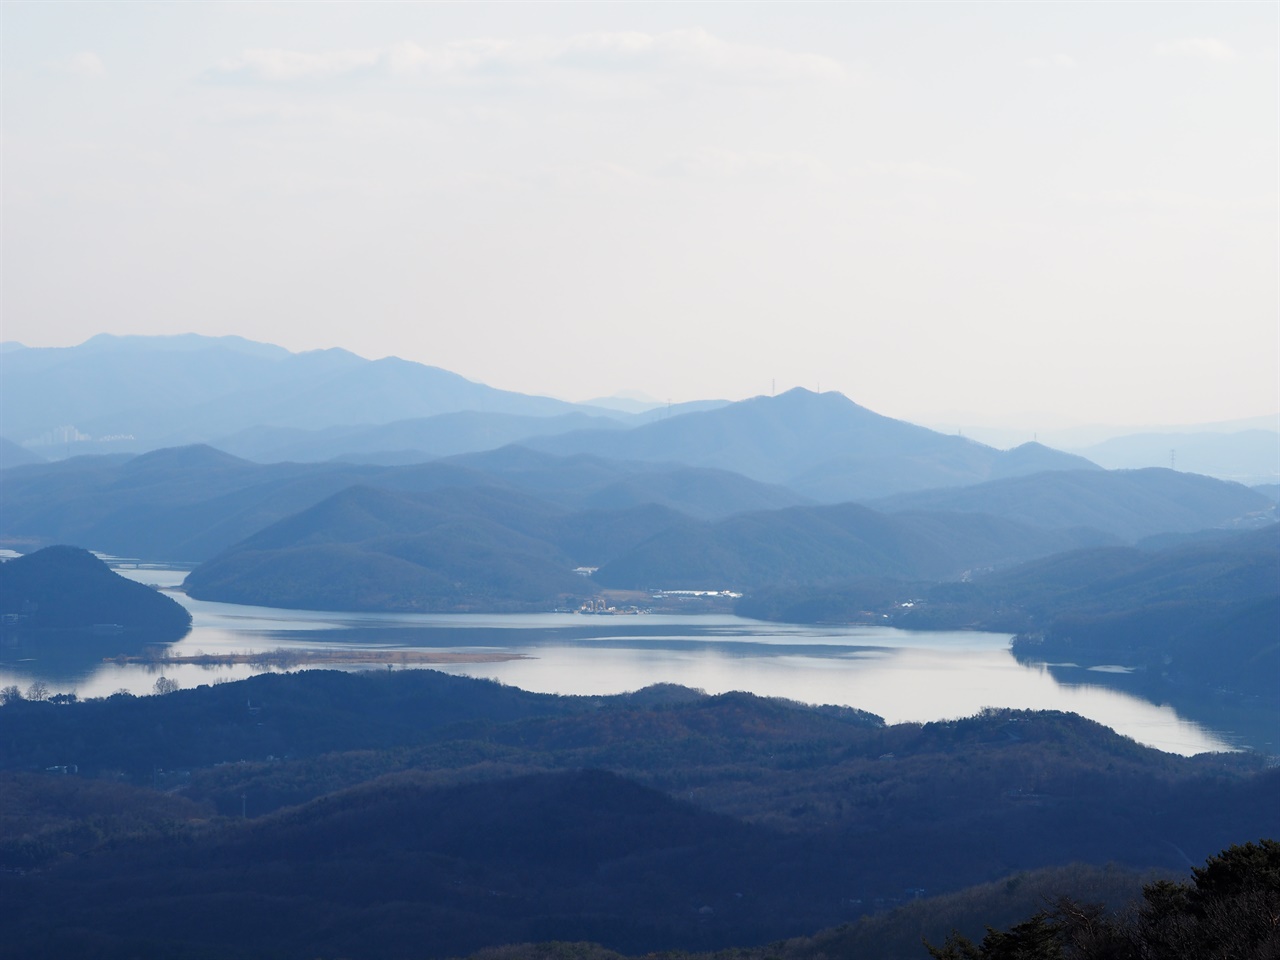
(1008, 211)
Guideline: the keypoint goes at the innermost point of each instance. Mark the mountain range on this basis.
(132, 394)
(138, 393)
(190, 503)
(167, 391)
(823, 446)
(418, 489)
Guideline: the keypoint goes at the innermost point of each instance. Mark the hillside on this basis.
(1088, 913)
(421, 815)
(494, 549)
(823, 446)
(63, 589)
(454, 550)
(819, 544)
(1203, 614)
(476, 548)
(1229, 568)
(1131, 504)
(191, 503)
(1195, 623)
(164, 505)
(13, 455)
(583, 481)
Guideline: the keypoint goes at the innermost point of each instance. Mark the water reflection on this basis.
(899, 683)
(899, 675)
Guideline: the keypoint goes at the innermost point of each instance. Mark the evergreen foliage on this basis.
(1229, 910)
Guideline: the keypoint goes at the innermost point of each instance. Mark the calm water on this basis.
(900, 675)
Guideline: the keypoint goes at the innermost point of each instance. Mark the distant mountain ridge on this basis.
(823, 446)
(411, 440)
(1247, 456)
(166, 391)
(427, 438)
(15, 455)
(1128, 503)
(132, 394)
(190, 503)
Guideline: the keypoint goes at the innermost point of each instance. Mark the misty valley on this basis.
(327, 657)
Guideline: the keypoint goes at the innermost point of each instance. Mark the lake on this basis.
(903, 676)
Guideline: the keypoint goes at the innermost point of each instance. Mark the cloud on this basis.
(83, 64)
(1197, 48)
(694, 52)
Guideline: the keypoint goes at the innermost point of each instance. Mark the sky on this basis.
(1010, 213)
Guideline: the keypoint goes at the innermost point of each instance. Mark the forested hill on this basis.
(454, 549)
(1202, 614)
(816, 544)
(1131, 504)
(477, 547)
(1227, 567)
(1196, 621)
(413, 814)
(460, 549)
(62, 589)
(190, 503)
